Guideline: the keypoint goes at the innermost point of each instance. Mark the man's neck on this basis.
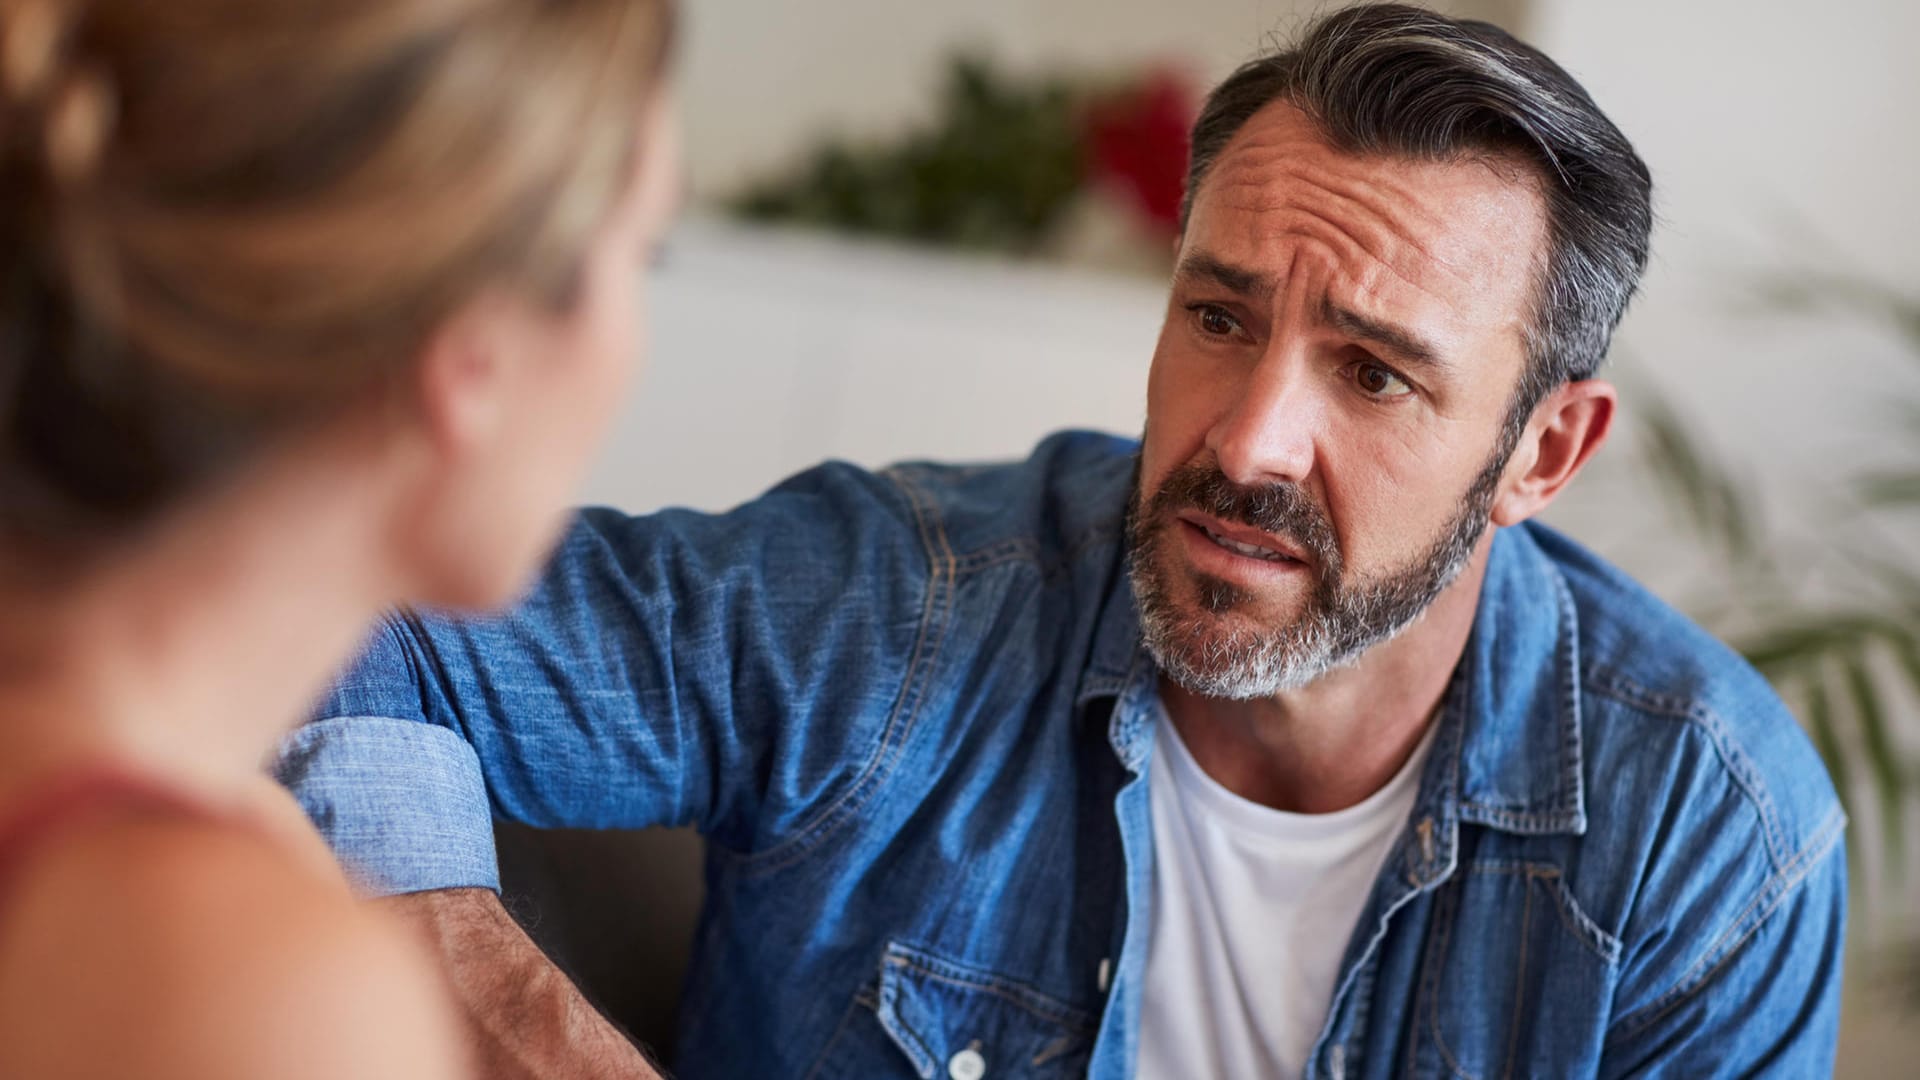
(1331, 744)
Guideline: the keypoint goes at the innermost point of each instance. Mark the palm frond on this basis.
(1818, 716)
(1697, 488)
(1893, 488)
(1889, 777)
(1839, 633)
(1805, 292)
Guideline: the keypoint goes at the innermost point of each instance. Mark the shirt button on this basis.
(967, 1065)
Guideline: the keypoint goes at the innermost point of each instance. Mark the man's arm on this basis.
(1769, 1007)
(525, 1019)
(648, 679)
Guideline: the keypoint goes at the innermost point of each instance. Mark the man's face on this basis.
(1325, 410)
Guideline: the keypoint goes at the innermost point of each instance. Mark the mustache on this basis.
(1281, 509)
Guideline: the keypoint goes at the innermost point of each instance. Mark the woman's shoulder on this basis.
(175, 945)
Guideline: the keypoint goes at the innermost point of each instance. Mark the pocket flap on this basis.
(939, 1011)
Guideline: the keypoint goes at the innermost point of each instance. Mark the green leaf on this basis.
(1796, 644)
(1823, 726)
(995, 168)
(1906, 653)
(1890, 489)
(1807, 292)
(1908, 413)
(1697, 488)
(1883, 761)
(1826, 737)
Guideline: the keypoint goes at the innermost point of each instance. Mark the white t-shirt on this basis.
(1252, 909)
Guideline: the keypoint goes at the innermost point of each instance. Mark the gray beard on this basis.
(1195, 647)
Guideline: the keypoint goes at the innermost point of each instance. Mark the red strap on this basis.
(74, 797)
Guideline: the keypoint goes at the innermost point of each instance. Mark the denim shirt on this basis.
(911, 713)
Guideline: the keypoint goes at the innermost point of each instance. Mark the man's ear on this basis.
(462, 376)
(1563, 433)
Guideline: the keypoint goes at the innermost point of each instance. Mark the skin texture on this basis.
(213, 955)
(167, 946)
(1351, 325)
(524, 1018)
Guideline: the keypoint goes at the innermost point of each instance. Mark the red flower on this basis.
(1137, 146)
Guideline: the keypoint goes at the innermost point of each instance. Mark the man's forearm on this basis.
(526, 1019)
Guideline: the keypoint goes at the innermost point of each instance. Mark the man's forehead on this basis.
(1468, 233)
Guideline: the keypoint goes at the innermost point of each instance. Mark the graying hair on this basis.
(1398, 80)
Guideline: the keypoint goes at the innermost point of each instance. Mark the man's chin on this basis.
(1235, 608)
(1225, 668)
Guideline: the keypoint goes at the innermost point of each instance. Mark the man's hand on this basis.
(526, 1019)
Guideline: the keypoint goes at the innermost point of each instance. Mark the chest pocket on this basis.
(930, 1017)
(1517, 977)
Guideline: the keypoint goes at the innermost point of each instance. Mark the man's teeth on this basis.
(1250, 550)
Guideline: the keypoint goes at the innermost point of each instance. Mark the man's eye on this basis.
(1214, 320)
(1380, 381)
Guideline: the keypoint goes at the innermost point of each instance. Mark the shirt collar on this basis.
(1117, 646)
(1516, 697)
(1508, 752)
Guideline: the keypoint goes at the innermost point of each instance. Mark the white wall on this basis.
(774, 350)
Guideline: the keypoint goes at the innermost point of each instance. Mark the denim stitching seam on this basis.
(933, 625)
(1722, 950)
(1026, 998)
(1619, 688)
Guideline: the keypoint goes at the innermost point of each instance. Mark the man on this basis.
(1253, 752)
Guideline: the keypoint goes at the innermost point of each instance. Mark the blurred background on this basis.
(942, 230)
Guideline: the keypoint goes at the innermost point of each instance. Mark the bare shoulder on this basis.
(180, 948)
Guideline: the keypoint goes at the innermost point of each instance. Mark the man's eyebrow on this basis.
(1403, 343)
(1234, 279)
(1243, 281)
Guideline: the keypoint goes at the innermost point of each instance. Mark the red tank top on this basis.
(82, 793)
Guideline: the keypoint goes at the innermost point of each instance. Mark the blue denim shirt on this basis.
(911, 711)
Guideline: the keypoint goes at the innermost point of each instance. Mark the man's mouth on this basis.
(1252, 551)
(1247, 542)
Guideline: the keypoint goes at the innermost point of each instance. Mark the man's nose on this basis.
(1266, 434)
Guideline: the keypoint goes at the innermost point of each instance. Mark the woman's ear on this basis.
(1561, 436)
(463, 378)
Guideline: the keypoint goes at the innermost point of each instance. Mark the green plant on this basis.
(1844, 651)
(1001, 162)
(995, 171)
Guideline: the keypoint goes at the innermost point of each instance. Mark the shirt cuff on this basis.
(402, 803)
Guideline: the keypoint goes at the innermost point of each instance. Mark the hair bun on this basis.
(31, 33)
(73, 107)
(79, 120)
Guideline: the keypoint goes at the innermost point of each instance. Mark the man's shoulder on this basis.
(1069, 493)
(1709, 816)
(1669, 705)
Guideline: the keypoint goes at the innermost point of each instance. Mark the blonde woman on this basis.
(307, 308)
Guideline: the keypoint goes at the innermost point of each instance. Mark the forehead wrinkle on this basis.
(1378, 243)
(1350, 215)
(1342, 268)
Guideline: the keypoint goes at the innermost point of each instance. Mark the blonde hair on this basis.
(222, 218)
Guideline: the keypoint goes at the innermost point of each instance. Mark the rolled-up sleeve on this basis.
(403, 804)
